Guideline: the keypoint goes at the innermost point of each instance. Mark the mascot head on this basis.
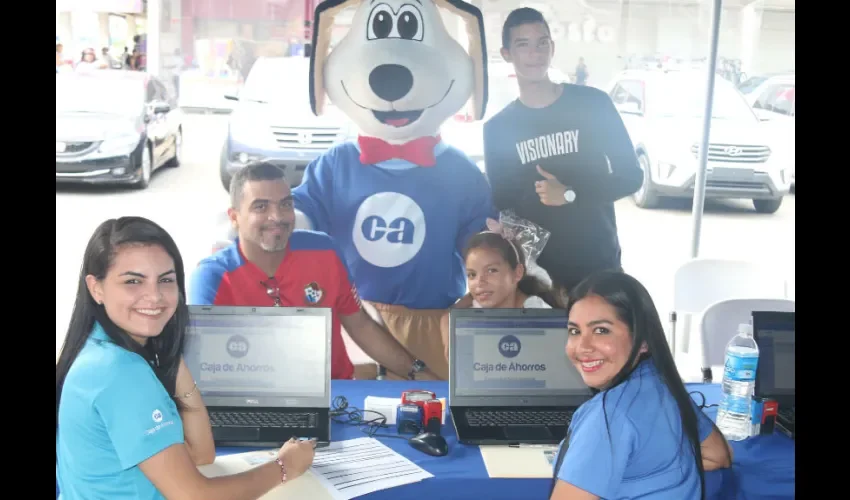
(397, 73)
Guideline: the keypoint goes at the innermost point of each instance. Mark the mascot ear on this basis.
(323, 21)
(474, 22)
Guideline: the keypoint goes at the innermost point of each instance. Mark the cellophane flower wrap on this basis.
(527, 235)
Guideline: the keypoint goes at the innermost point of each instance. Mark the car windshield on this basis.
(277, 81)
(95, 95)
(687, 99)
(751, 84)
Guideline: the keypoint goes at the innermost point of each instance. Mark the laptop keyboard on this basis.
(263, 419)
(502, 418)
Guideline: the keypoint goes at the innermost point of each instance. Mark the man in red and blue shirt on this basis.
(271, 264)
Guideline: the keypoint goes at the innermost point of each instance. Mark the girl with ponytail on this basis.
(497, 278)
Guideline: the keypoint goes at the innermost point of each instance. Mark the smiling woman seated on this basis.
(130, 421)
(641, 436)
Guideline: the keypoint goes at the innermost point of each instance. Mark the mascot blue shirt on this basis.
(399, 202)
(402, 227)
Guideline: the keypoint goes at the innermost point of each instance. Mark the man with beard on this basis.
(271, 264)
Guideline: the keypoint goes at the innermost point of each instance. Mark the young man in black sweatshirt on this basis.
(559, 156)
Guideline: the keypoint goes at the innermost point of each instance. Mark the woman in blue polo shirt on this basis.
(641, 436)
(130, 422)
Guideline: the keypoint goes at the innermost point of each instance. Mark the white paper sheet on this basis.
(360, 466)
(341, 471)
(527, 461)
(307, 486)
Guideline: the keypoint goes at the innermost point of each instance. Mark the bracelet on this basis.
(190, 393)
(282, 469)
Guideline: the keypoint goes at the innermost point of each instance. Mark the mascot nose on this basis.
(391, 82)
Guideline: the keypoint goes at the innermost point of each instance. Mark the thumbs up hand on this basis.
(550, 190)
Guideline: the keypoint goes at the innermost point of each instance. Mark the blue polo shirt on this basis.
(113, 415)
(642, 453)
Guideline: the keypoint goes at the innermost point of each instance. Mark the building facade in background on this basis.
(218, 40)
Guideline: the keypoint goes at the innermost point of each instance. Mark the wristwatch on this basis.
(418, 366)
(569, 195)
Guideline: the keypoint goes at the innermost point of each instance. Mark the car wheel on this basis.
(645, 196)
(178, 150)
(767, 206)
(146, 169)
(225, 177)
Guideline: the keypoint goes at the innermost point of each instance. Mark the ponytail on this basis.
(532, 285)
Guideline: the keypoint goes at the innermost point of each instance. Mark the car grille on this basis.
(734, 153)
(72, 148)
(306, 138)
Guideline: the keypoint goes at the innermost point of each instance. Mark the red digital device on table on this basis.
(432, 408)
(416, 397)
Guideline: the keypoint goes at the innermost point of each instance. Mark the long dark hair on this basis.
(163, 352)
(514, 256)
(635, 308)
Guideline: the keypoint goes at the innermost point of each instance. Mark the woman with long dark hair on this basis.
(130, 421)
(641, 436)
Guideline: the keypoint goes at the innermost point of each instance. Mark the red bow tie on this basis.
(418, 151)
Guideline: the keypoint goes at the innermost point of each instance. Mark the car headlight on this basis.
(244, 158)
(121, 144)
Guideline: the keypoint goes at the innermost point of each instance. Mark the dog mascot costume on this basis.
(399, 202)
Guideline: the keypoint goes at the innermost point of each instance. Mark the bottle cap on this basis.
(745, 329)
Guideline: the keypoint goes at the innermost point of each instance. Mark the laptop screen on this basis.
(258, 353)
(513, 356)
(776, 338)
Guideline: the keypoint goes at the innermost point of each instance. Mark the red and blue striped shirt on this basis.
(312, 274)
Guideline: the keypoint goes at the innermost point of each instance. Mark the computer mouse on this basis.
(430, 444)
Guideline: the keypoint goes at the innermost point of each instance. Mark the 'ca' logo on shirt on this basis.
(157, 416)
(389, 229)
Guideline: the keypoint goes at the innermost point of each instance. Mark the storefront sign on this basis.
(116, 6)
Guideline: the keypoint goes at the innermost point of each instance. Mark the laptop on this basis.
(774, 334)
(510, 381)
(264, 372)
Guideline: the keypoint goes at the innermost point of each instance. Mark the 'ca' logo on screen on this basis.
(509, 346)
(237, 346)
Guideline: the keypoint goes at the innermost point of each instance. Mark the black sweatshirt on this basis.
(581, 139)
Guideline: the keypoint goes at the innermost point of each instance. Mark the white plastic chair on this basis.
(699, 283)
(720, 323)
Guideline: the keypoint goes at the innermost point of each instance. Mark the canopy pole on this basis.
(699, 186)
(699, 182)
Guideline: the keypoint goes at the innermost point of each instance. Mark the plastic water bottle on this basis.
(739, 379)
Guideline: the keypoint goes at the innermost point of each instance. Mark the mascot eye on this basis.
(380, 23)
(409, 24)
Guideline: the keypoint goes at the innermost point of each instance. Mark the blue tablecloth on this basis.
(763, 466)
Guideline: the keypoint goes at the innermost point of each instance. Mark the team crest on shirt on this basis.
(313, 293)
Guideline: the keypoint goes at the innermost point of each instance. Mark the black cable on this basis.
(342, 413)
(702, 406)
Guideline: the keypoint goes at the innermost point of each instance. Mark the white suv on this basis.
(774, 98)
(663, 113)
